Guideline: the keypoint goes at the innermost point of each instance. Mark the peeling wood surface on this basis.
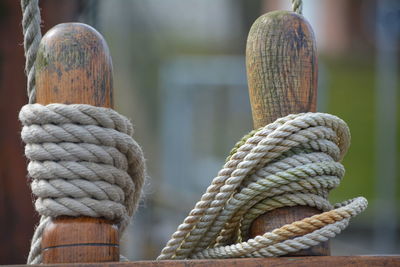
(74, 66)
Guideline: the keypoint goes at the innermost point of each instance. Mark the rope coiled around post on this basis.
(83, 161)
(292, 161)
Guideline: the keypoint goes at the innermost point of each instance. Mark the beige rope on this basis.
(83, 161)
(293, 161)
(297, 6)
(32, 36)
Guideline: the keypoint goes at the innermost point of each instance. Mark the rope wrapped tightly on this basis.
(292, 161)
(83, 161)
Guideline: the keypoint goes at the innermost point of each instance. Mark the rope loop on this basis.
(83, 162)
(292, 161)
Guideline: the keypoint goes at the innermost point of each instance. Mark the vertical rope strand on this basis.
(32, 36)
(297, 6)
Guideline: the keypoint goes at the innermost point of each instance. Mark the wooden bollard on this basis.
(73, 66)
(282, 70)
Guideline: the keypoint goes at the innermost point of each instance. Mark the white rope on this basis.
(293, 161)
(32, 36)
(83, 161)
(297, 6)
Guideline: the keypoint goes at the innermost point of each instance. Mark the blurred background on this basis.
(179, 74)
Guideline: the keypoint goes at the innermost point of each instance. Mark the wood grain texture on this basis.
(16, 210)
(281, 67)
(282, 76)
(87, 239)
(326, 261)
(74, 66)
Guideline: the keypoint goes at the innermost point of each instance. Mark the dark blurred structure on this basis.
(17, 216)
(179, 74)
(16, 211)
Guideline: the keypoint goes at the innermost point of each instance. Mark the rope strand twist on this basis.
(32, 36)
(293, 161)
(83, 161)
(297, 6)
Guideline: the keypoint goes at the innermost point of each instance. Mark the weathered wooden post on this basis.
(73, 66)
(282, 76)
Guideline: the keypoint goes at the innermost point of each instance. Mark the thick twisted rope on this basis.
(297, 6)
(293, 161)
(32, 37)
(83, 161)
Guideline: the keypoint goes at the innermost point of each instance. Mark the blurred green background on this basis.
(179, 74)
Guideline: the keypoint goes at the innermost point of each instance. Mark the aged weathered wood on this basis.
(282, 76)
(326, 261)
(74, 66)
(281, 66)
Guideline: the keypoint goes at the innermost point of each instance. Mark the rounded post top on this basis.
(74, 65)
(281, 62)
(281, 66)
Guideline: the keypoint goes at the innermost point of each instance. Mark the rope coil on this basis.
(83, 161)
(293, 161)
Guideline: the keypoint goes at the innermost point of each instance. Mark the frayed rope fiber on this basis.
(83, 161)
(292, 161)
